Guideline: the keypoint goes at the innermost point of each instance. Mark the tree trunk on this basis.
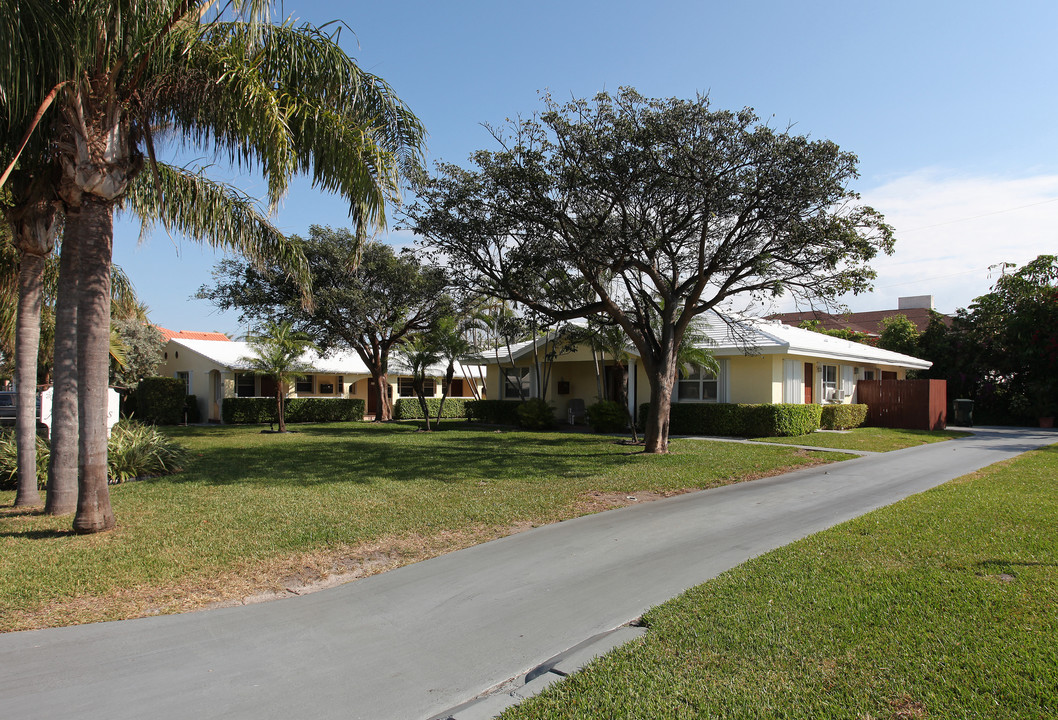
(449, 374)
(656, 432)
(280, 410)
(94, 513)
(385, 409)
(27, 341)
(62, 463)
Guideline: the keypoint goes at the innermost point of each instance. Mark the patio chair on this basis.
(576, 411)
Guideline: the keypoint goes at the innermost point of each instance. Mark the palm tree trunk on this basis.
(94, 513)
(449, 374)
(280, 410)
(62, 463)
(27, 341)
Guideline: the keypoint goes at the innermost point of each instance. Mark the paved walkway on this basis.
(414, 642)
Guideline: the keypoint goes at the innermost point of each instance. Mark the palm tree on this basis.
(449, 338)
(420, 352)
(278, 349)
(283, 99)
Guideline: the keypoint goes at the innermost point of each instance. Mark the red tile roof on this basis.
(191, 335)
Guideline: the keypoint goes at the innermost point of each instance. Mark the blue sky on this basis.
(950, 106)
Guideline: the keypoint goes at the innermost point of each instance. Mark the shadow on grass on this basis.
(994, 566)
(38, 534)
(396, 452)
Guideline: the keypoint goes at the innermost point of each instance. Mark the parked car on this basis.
(8, 403)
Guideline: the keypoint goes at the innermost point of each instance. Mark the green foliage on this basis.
(740, 420)
(161, 400)
(899, 335)
(493, 412)
(191, 409)
(9, 461)
(842, 417)
(536, 414)
(142, 350)
(134, 450)
(607, 417)
(250, 411)
(410, 409)
(137, 450)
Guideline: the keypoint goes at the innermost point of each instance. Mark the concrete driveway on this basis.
(416, 641)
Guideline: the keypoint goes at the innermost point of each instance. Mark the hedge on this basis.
(729, 419)
(248, 411)
(409, 409)
(607, 417)
(160, 400)
(493, 412)
(843, 417)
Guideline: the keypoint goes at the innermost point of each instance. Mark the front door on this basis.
(809, 382)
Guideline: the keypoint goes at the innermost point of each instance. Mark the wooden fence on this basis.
(910, 404)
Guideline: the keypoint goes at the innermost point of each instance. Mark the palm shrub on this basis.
(137, 450)
(9, 461)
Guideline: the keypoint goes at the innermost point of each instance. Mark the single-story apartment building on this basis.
(217, 369)
(761, 361)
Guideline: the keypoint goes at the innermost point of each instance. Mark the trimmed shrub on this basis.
(160, 400)
(136, 450)
(607, 417)
(191, 409)
(251, 411)
(409, 408)
(843, 417)
(493, 412)
(536, 414)
(739, 420)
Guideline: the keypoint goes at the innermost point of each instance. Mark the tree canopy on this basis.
(369, 307)
(644, 208)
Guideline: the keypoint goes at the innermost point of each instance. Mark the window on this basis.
(326, 388)
(868, 374)
(305, 384)
(829, 378)
(513, 379)
(245, 385)
(696, 384)
(186, 377)
(406, 387)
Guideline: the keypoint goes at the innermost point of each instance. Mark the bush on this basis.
(9, 461)
(136, 450)
(251, 411)
(493, 412)
(843, 417)
(607, 417)
(191, 409)
(739, 420)
(536, 414)
(160, 400)
(409, 409)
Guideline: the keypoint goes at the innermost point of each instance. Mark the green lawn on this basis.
(944, 605)
(252, 508)
(864, 438)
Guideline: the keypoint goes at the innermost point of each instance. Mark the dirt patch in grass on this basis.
(906, 708)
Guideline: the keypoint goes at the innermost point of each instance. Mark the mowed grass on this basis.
(252, 508)
(944, 605)
(869, 438)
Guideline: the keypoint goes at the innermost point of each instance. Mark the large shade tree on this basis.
(641, 209)
(369, 307)
(279, 98)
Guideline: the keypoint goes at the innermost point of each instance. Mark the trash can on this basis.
(964, 412)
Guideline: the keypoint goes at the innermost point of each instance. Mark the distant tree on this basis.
(370, 307)
(843, 333)
(449, 337)
(142, 345)
(899, 335)
(637, 208)
(277, 355)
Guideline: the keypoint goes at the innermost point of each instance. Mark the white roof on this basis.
(729, 335)
(232, 355)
